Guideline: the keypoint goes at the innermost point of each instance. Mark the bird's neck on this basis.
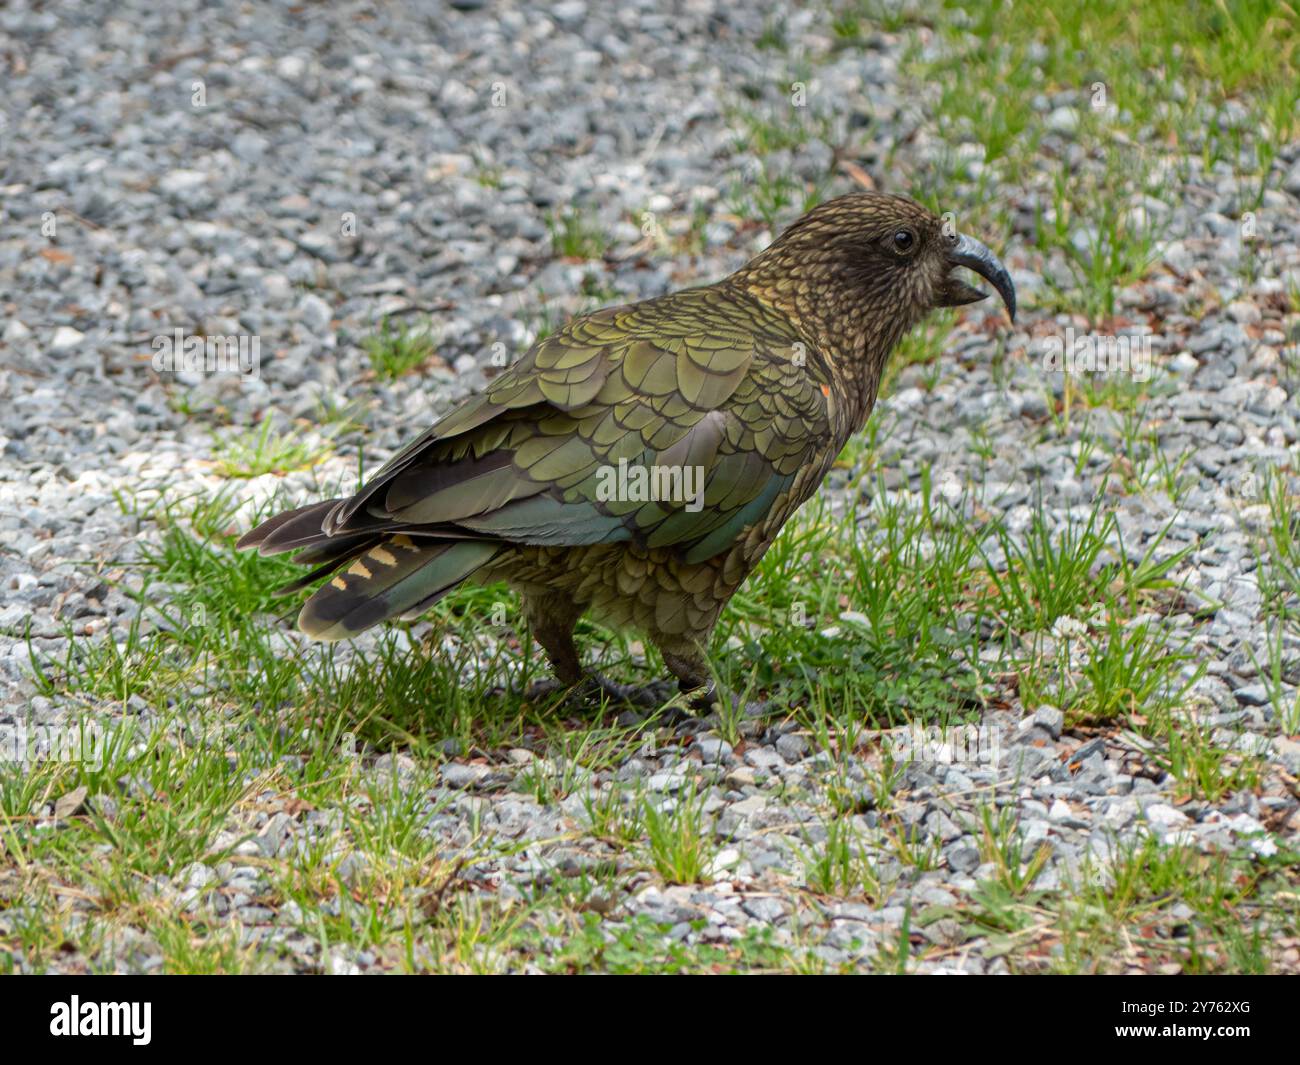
(851, 337)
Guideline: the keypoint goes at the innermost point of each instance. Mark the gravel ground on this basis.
(347, 164)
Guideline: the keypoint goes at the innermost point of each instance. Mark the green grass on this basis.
(1016, 864)
(1125, 913)
(266, 450)
(841, 865)
(1277, 551)
(783, 127)
(790, 620)
(1203, 769)
(642, 945)
(923, 346)
(239, 712)
(1280, 547)
(576, 235)
(678, 837)
(773, 198)
(396, 350)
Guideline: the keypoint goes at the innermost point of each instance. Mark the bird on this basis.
(636, 463)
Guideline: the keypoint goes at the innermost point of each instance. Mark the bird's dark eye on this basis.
(903, 240)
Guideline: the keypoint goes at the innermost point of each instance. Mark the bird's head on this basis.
(871, 266)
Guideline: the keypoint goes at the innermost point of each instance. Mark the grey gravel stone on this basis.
(791, 747)
(1252, 695)
(766, 910)
(713, 749)
(463, 776)
(1051, 720)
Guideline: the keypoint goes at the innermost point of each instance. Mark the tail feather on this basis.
(336, 549)
(299, 527)
(388, 573)
(392, 578)
(332, 561)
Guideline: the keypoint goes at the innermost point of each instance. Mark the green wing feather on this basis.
(689, 380)
(703, 378)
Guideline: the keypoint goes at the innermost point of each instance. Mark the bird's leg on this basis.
(686, 660)
(552, 617)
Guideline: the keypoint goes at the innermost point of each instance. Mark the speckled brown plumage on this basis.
(755, 382)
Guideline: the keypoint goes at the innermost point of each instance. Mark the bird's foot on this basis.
(541, 690)
(597, 686)
(594, 687)
(707, 700)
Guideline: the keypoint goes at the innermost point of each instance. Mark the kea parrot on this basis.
(638, 462)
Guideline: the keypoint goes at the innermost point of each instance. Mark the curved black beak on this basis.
(969, 252)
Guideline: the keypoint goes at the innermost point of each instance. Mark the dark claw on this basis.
(591, 688)
(635, 695)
